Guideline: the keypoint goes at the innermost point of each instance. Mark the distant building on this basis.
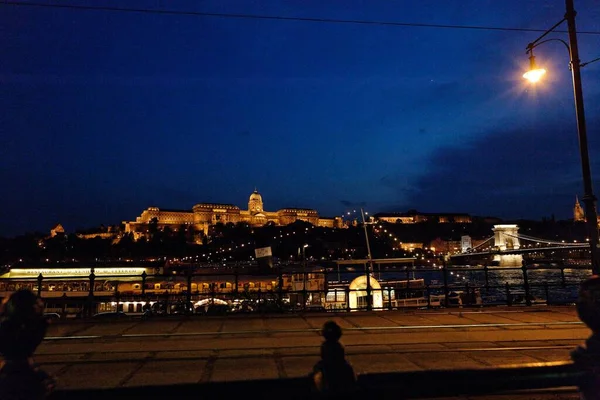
(413, 217)
(204, 215)
(57, 230)
(578, 214)
(439, 245)
(410, 246)
(102, 232)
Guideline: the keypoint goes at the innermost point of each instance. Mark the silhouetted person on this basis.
(22, 329)
(588, 356)
(333, 376)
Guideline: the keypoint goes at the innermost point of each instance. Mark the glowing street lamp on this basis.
(369, 264)
(304, 275)
(534, 75)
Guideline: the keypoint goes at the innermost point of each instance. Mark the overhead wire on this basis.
(277, 17)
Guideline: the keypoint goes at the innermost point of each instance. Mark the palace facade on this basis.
(204, 215)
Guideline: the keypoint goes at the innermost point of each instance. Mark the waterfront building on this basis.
(413, 217)
(204, 215)
(132, 288)
(129, 287)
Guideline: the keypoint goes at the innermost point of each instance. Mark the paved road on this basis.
(203, 349)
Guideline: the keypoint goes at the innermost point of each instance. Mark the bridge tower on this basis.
(506, 239)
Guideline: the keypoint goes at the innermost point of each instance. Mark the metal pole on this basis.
(446, 291)
(90, 299)
(40, 278)
(236, 283)
(303, 277)
(369, 263)
(280, 285)
(347, 293)
(588, 198)
(526, 285)
(188, 295)
(144, 276)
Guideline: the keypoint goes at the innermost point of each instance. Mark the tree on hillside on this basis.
(153, 226)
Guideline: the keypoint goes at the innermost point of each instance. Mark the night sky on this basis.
(105, 113)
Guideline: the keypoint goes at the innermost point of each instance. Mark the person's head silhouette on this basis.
(331, 331)
(22, 325)
(588, 303)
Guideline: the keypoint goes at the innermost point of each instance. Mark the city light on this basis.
(534, 74)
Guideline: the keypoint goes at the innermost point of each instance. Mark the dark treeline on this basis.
(237, 242)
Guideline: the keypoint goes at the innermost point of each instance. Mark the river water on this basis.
(557, 285)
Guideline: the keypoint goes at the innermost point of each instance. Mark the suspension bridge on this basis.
(508, 241)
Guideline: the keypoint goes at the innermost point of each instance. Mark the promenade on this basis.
(100, 354)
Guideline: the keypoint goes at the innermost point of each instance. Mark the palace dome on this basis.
(255, 204)
(255, 196)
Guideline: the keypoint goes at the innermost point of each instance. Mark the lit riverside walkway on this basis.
(97, 354)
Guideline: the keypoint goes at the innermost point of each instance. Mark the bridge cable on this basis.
(546, 241)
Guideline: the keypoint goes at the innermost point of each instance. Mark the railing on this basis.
(443, 286)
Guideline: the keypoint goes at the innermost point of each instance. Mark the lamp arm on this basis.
(589, 62)
(535, 44)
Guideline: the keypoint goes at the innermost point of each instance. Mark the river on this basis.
(559, 285)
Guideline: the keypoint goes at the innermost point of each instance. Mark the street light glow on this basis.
(534, 75)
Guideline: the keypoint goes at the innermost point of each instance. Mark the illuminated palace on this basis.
(204, 215)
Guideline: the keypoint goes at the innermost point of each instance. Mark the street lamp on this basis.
(304, 275)
(304, 254)
(369, 263)
(534, 75)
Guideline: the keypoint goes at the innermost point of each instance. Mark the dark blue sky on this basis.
(106, 113)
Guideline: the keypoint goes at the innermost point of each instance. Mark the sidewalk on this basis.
(207, 349)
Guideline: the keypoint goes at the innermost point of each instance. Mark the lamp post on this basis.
(304, 275)
(534, 75)
(369, 262)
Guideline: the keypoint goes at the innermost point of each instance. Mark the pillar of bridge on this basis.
(505, 237)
